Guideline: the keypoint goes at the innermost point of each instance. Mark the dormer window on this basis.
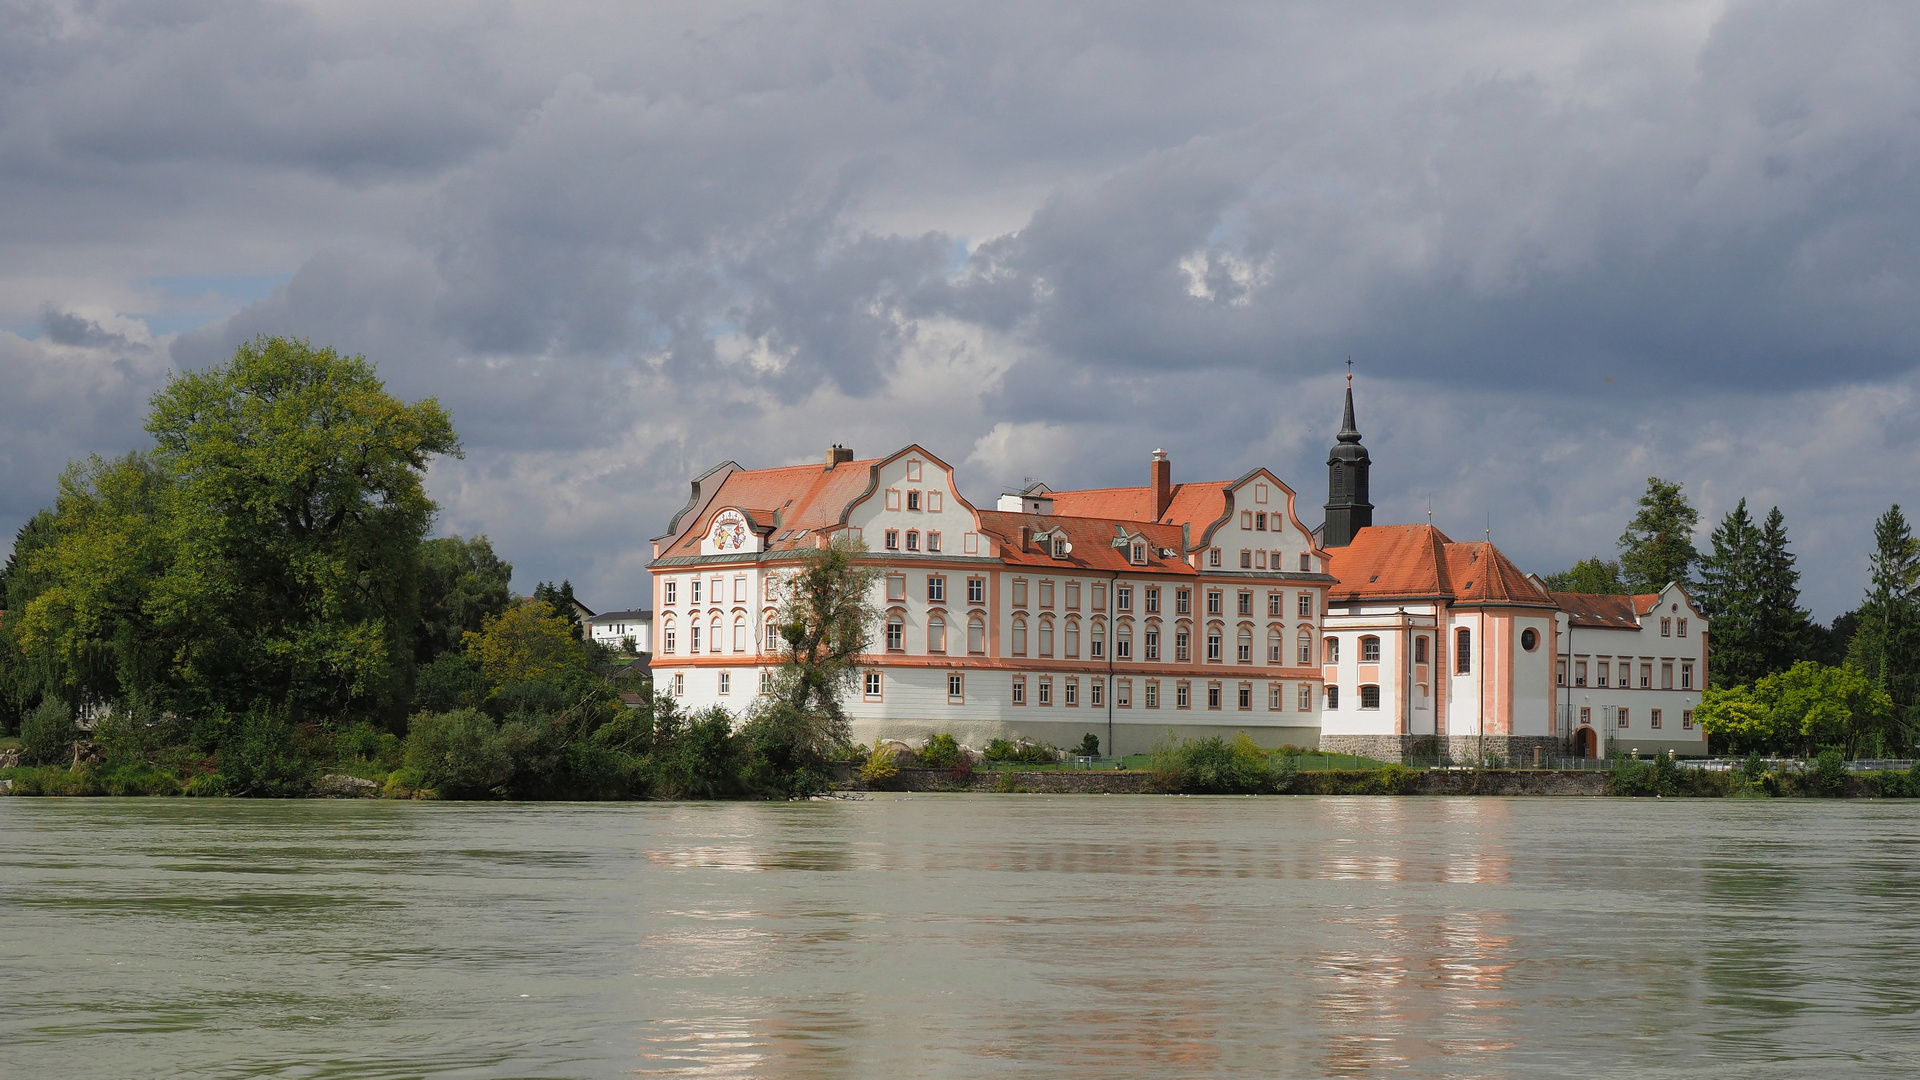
(1059, 547)
(1139, 553)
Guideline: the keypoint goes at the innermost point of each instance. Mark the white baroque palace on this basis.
(1199, 608)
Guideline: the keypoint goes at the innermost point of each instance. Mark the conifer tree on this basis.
(1729, 594)
(1886, 643)
(1657, 547)
(1786, 629)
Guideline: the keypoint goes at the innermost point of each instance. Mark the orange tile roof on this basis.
(1605, 610)
(805, 496)
(1407, 561)
(1091, 539)
(1198, 504)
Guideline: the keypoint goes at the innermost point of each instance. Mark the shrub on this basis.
(1752, 779)
(458, 755)
(450, 681)
(941, 752)
(1210, 766)
(1631, 776)
(701, 760)
(880, 772)
(1089, 745)
(1283, 769)
(47, 734)
(1022, 752)
(788, 750)
(260, 757)
(365, 742)
(1828, 776)
(1394, 779)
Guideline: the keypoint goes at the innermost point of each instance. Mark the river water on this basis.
(1102, 936)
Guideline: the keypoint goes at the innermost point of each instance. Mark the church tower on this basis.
(1348, 510)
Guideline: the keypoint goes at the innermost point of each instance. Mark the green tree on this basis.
(824, 619)
(529, 642)
(1593, 575)
(1886, 639)
(564, 605)
(21, 679)
(1751, 592)
(462, 583)
(1807, 706)
(1657, 547)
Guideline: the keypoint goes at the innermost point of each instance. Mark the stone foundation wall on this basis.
(1516, 750)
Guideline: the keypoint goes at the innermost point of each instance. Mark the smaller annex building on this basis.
(1630, 673)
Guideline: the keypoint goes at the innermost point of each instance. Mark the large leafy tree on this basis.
(1800, 709)
(1595, 575)
(22, 681)
(1657, 547)
(264, 555)
(462, 583)
(1886, 636)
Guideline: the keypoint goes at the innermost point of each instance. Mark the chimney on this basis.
(1162, 483)
(837, 454)
(1026, 537)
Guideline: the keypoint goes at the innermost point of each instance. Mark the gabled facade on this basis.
(1630, 673)
(615, 628)
(1123, 612)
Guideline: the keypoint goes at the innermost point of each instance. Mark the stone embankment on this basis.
(1336, 782)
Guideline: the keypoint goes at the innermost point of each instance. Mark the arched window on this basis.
(976, 635)
(937, 633)
(1305, 653)
(1123, 642)
(1019, 637)
(773, 635)
(1369, 654)
(1244, 646)
(1097, 641)
(1273, 646)
(716, 643)
(1152, 641)
(739, 633)
(667, 636)
(896, 633)
(1073, 637)
(693, 635)
(1046, 635)
(1333, 650)
(1463, 652)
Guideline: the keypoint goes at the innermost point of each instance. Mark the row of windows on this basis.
(1215, 694)
(1666, 626)
(1251, 559)
(1623, 715)
(1619, 675)
(913, 540)
(915, 499)
(670, 590)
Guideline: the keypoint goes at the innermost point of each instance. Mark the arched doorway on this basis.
(1586, 742)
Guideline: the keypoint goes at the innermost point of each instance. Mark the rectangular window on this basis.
(1123, 598)
(1666, 627)
(1072, 596)
(1305, 704)
(1246, 603)
(913, 540)
(1463, 652)
(766, 682)
(1245, 697)
(1274, 696)
(1019, 593)
(1153, 644)
(1683, 628)
(1625, 674)
(1213, 602)
(1275, 562)
(1274, 603)
(1620, 717)
(956, 687)
(1046, 594)
(1153, 694)
(1686, 719)
(934, 501)
(1153, 601)
(1099, 596)
(1122, 694)
(893, 539)
(1046, 691)
(726, 682)
(693, 591)
(1646, 676)
(1369, 650)
(1560, 678)
(740, 590)
(1019, 689)
(1213, 557)
(1096, 644)
(936, 590)
(896, 587)
(1246, 519)
(1586, 715)
(933, 543)
(896, 634)
(1246, 559)
(670, 588)
(1606, 676)
(1182, 601)
(1259, 523)
(1370, 697)
(1333, 699)
(1686, 676)
(1666, 676)
(679, 685)
(893, 498)
(913, 470)
(1306, 563)
(1213, 695)
(1182, 695)
(1097, 687)
(913, 500)
(1071, 692)
(1580, 673)
(1182, 651)
(976, 590)
(1213, 646)
(1304, 608)
(1653, 718)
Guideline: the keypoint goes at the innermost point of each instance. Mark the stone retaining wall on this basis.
(1516, 750)
(1352, 781)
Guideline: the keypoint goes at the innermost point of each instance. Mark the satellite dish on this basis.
(1067, 547)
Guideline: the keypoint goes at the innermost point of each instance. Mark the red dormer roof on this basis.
(1091, 538)
(1199, 504)
(803, 497)
(1404, 562)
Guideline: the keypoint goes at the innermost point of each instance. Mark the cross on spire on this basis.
(1349, 372)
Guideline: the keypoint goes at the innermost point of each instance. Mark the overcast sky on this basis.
(1569, 246)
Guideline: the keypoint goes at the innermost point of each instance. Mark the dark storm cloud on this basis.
(623, 245)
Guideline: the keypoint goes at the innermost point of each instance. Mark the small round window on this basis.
(1529, 639)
